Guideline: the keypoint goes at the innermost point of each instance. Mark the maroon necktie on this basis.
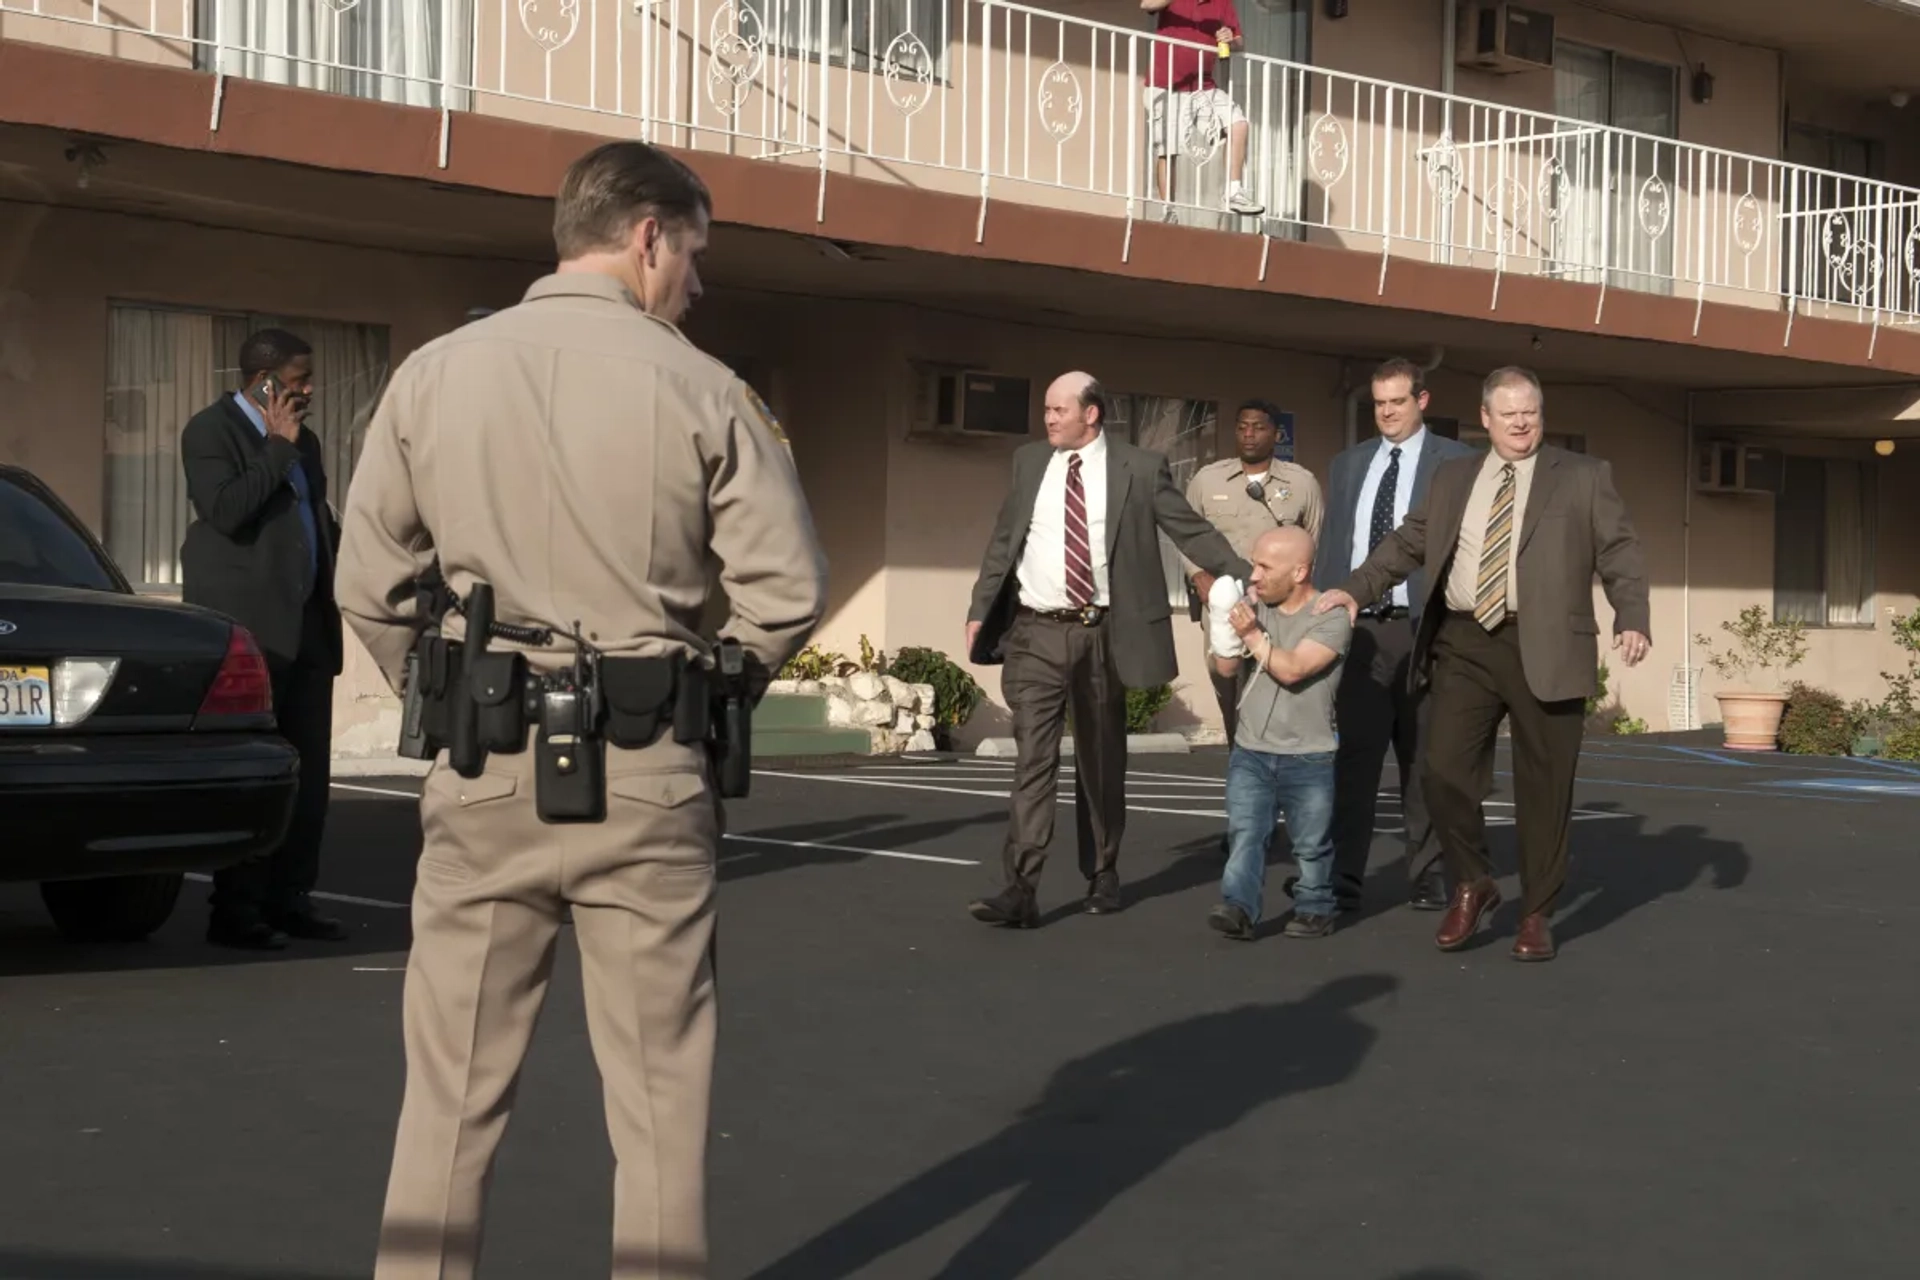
(1079, 559)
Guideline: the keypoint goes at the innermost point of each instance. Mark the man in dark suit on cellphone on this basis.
(261, 550)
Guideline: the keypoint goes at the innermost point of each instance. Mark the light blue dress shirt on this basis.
(1402, 497)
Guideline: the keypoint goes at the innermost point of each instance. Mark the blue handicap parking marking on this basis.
(1881, 785)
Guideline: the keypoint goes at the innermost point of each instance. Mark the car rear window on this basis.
(39, 548)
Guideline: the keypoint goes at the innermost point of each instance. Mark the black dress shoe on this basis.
(1429, 893)
(1103, 894)
(309, 926)
(1013, 907)
(245, 935)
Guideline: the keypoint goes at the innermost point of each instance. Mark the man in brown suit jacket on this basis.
(1510, 541)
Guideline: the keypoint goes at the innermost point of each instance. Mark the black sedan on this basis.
(137, 736)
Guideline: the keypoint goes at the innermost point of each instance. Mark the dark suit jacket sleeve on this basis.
(229, 490)
(1195, 538)
(997, 563)
(1397, 556)
(1623, 572)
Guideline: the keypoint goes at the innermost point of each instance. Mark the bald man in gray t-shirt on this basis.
(1283, 749)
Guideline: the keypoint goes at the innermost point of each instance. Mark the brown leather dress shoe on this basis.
(1535, 941)
(1470, 902)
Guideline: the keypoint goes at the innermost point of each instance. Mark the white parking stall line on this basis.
(376, 791)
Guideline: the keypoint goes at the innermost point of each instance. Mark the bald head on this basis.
(1282, 564)
(1076, 410)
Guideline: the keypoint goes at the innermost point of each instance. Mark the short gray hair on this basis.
(1510, 376)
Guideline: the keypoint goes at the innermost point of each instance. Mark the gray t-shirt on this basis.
(1293, 720)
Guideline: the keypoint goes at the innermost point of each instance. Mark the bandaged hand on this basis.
(1222, 640)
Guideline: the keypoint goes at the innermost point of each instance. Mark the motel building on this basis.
(1699, 220)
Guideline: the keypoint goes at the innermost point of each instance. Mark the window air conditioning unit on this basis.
(1721, 466)
(950, 401)
(1505, 38)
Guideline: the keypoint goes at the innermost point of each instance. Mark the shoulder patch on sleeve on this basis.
(767, 419)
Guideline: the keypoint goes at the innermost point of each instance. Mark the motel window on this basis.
(163, 366)
(387, 50)
(862, 32)
(1823, 535)
(1184, 431)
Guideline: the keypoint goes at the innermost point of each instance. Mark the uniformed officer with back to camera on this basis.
(570, 463)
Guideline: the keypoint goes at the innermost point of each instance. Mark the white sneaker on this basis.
(1240, 202)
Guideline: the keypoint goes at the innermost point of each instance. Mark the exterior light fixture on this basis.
(1703, 85)
(1883, 447)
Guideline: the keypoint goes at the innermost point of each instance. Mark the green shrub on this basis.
(1902, 743)
(1599, 694)
(814, 663)
(955, 694)
(1627, 725)
(1816, 723)
(1144, 704)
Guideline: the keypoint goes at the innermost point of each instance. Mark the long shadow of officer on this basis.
(1105, 1123)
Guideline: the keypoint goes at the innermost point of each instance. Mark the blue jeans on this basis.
(1261, 787)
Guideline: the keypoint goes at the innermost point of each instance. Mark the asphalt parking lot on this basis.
(1717, 1077)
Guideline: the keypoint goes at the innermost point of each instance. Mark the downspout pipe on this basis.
(1449, 37)
(1362, 393)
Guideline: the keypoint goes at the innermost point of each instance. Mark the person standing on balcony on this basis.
(260, 550)
(1183, 97)
(1072, 598)
(1509, 541)
(1374, 485)
(1243, 497)
(581, 457)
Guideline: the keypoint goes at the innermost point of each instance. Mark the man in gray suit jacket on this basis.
(1370, 489)
(1072, 599)
(1510, 541)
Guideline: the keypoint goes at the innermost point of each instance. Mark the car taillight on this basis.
(243, 687)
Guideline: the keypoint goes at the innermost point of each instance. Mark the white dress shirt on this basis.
(1043, 564)
(1402, 498)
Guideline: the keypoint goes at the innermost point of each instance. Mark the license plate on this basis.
(26, 697)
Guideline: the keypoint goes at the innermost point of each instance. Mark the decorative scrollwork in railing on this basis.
(1206, 128)
(551, 24)
(737, 49)
(1328, 154)
(1749, 225)
(339, 6)
(1058, 102)
(907, 71)
(1655, 206)
(1444, 178)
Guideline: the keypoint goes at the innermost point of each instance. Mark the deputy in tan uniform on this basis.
(1244, 496)
(581, 457)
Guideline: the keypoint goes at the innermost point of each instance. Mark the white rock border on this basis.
(897, 716)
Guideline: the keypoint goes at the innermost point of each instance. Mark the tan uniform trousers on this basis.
(487, 906)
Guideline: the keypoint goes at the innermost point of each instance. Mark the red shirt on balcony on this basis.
(1193, 23)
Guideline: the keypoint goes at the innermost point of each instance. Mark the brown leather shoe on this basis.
(1470, 902)
(1535, 941)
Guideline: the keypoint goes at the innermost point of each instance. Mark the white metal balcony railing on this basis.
(1014, 102)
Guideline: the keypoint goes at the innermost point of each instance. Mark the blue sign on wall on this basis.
(1283, 446)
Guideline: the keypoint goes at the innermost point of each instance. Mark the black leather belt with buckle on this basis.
(1090, 616)
(1386, 613)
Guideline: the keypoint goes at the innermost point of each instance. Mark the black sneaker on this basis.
(1230, 921)
(1306, 926)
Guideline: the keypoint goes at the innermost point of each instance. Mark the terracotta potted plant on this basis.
(1750, 710)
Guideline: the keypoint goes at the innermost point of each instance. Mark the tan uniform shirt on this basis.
(1463, 580)
(1218, 491)
(590, 463)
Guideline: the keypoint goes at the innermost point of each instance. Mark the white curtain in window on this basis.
(350, 368)
(160, 372)
(390, 50)
(1849, 573)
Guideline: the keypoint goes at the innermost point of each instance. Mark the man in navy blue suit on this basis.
(1370, 489)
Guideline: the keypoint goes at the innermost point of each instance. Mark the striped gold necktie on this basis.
(1490, 596)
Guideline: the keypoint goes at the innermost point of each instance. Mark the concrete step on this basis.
(809, 742)
(790, 711)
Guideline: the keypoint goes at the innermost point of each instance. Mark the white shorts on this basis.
(1204, 118)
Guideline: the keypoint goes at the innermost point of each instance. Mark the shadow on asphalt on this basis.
(59, 1266)
(1104, 1124)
